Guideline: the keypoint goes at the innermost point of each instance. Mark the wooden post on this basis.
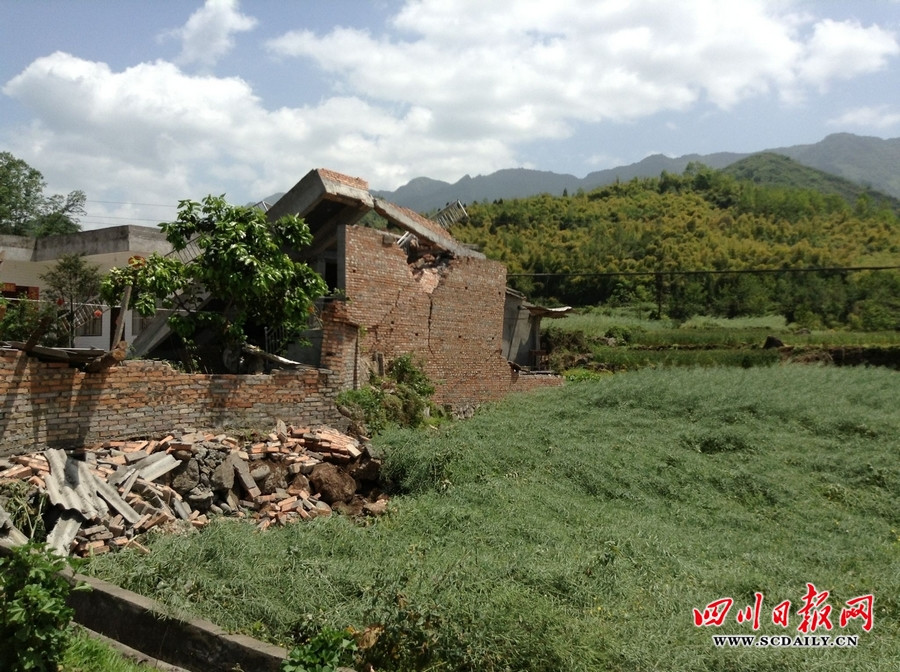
(659, 295)
(120, 321)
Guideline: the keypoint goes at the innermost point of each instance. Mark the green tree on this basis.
(20, 318)
(70, 282)
(26, 211)
(243, 275)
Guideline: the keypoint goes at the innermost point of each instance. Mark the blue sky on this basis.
(141, 104)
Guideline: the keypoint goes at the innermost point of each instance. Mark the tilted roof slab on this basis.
(425, 229)
(327, 199)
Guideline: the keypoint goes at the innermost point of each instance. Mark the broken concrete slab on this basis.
(158, 468)
(423, 228)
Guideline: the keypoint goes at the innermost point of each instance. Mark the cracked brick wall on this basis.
(51, 404)
(450, 317)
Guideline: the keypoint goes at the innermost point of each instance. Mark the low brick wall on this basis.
(51, 404)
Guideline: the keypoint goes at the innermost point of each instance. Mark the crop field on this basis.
(710, 331)
(625, 340)
(578, 528)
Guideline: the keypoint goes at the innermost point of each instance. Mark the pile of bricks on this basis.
(107, 495)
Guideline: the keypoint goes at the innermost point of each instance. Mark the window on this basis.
(138, 322)
(93, 326)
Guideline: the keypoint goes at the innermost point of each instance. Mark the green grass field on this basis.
(576, 529)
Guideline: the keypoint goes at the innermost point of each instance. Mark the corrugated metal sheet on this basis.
(71, 485)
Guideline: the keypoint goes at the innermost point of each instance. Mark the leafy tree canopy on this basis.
(26, 211)
(72, 279)
(242, 275)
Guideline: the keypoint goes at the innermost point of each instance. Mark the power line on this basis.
(138, 219)
(153, 205)
(607, 274)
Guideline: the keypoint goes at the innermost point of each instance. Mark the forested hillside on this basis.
(645, 241)
(776, 170)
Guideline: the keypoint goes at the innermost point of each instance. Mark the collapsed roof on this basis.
(326, 200)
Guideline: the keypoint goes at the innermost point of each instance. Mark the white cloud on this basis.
(451, 87)
(880, 117)
(586, 61)
(602, 161)
(160, 134)
(843, 50)
(209, 32)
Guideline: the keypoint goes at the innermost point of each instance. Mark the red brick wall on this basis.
(48, 404)
(456, 329)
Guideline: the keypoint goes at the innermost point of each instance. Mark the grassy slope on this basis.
(576, 529)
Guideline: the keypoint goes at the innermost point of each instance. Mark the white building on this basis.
(23, 260)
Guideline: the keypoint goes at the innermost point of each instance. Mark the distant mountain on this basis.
(776, 170)
(871, 162)
(423, 194)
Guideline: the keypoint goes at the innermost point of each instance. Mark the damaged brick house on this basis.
(415, 291)
(418, 291)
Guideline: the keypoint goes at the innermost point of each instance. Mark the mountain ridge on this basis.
(865, 160)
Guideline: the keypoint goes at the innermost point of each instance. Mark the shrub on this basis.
(34, 618)
(402, 398)
(405, 371)
(26, 505)
(322, 652)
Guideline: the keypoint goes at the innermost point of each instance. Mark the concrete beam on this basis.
(350, 194)
(424, 228)
(196, 645)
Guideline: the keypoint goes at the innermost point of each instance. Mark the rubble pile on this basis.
(105, 496)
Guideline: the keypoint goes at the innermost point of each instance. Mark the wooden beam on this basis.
(275, 359)
(108, 359)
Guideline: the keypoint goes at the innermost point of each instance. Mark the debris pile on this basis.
(105, 496)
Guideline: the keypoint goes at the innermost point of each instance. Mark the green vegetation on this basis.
(70, 282)
(242, 261)
(20, 318)
(400, 398)
(617, 339)
(34, 617)
(576, 529)
(322, 652)
(781, 172)
(86, 654)
(26, 211)
(630, 244)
